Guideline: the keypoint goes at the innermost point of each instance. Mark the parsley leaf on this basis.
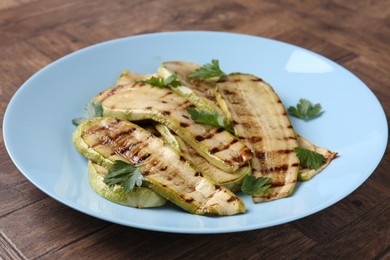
(209, 70)
(171, 81)
(124, 174)
(308, 158)
(209, 118)
(92, 109)
(254, 186)
(305, 110)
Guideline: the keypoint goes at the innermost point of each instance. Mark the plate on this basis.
(37, 124)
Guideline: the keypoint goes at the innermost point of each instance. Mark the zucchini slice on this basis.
(198, 92)
(139, 197)
(230, 180)
(261, 122)
(105, 140)
(127, 77)
(306, 174)
(140, 101)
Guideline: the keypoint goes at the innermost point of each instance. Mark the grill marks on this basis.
(118, 137)
(261, 123)
(209, 141)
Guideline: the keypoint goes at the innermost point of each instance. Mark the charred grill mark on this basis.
(143, 158)
(123, 133)
(189, 200)
(281, 183)
(255, 139)
(164, 102)
(127, 148)
(228, 92)
(165, 113)
(219, 130)
(217, 187)
(295, 165)
(110, 92)
(182, 159)
(199, 138)
(290, 126)
(145, 173)
(277, 168)
(256, 80)
(214, 150)
(233, 142)
(185, 116)
(184, 124)
(198, 174)
(148, 108)
(164, 168)
(260, 155)
(167, 94)
(231, 199)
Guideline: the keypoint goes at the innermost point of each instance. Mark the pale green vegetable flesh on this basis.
(306, 174)
(261, 122)
(166, 172)
(139, 197)
(139, 101)
(230, 180)
(198, 92)
(127, 77)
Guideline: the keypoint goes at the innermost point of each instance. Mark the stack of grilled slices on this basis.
(198, 166)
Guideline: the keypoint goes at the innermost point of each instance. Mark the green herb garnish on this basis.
(305, 110)
(92, 109)
(308, 158)
(124, 174)
(209, 118)
(255, 186)
(170, 81)
(209, 70)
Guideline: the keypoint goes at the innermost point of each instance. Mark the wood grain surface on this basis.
(34, 33)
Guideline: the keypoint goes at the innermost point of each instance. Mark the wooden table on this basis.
(33, 33)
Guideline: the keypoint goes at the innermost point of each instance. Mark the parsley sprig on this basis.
(92, 109)
(124, 174)
(170, 81)
(209, 118)
(308, 158)
(305, 110)
(209, 70)
(253, 185)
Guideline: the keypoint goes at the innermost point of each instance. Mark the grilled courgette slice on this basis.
(199, 92)
(306, 174)
(139, 197)
(261, 122)
(104, 140)
(140, 101)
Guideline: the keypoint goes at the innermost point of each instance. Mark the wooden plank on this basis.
(363, 239)
(17, 196)
(48, 227)
(8, 250)
(119, 242)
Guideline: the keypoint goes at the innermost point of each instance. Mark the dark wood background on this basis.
(33, 33)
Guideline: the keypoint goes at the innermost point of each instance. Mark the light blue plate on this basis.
(37, 123)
